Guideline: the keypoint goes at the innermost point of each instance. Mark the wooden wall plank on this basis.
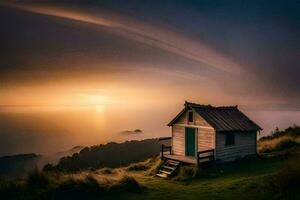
(245, 144)
(178, 140)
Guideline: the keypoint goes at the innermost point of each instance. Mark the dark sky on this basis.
(260, 38)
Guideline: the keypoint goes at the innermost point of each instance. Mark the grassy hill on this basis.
(274, 174)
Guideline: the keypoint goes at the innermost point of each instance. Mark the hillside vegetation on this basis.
(274, 174)
(280, 140)
(108, 155)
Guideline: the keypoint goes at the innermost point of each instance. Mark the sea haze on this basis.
(47, 132)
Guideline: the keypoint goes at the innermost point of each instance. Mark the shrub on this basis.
(49, 167)
(37, 178)
(79, 189)
(187, 173)
(41, 185)
(155, 166)
(285, 144)
(126, 184)
(90, 184)
(278, 145)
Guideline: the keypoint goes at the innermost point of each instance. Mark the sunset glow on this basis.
(81, 67)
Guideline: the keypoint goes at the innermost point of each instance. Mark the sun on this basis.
(99, 108)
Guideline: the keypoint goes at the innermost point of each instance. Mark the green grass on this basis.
(246, 179)
(256, 178)
(148, 164)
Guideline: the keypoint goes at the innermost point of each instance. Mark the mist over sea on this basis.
(50, 131)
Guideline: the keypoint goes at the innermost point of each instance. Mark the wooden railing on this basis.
(207, 155)
(165, 148)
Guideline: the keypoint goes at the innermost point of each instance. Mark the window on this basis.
(191, 117)
(229, 139)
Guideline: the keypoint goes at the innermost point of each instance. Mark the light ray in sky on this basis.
(155, 36)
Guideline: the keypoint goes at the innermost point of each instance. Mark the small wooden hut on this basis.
(203, 132)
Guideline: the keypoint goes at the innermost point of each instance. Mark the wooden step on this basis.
(173, 162)
(162, 175)
(168, 167)
(165, 172)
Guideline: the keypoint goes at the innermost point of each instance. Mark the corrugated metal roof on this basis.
(228, 118)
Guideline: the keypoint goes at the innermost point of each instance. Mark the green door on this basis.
(190, 141)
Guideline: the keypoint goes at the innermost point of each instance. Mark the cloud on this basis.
(203, 47)
(152, 35)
